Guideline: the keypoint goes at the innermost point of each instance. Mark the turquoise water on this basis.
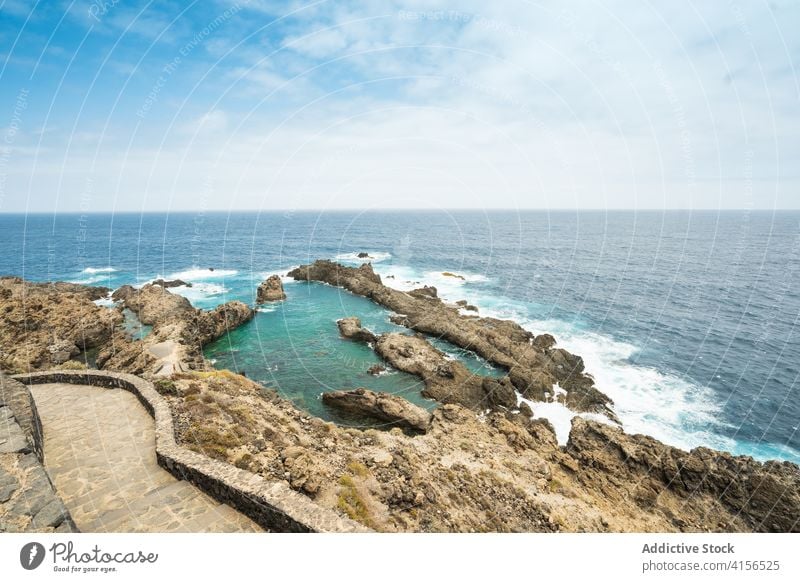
(294, 346)
(687, 320)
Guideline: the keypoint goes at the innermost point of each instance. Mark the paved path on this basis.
(99, 449)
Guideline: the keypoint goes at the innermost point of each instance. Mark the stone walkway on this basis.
(99, 449)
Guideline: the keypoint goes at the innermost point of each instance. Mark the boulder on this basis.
(350, 328)
(376, 370)
(387, 407)
(363, 255)
(270, 290)
(62, 350)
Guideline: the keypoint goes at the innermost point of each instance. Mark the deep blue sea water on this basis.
(686, 319)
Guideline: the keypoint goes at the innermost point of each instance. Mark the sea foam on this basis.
(374, 257)
(198, 274)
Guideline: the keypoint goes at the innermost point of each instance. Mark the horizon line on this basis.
(354, 209)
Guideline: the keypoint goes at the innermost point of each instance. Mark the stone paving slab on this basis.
(99, 449)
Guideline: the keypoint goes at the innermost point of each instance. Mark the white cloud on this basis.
(493, 104)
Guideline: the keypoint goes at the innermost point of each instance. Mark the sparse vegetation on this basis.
(72, 365)
(165, 387)
(352, 503)
(212, 441)
(357, 468)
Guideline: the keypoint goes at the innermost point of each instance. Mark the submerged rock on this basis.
(453, 275)
(363, 255)
(388, 407)
(270, 290)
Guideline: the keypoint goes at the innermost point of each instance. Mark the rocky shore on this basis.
(477, 462)
(534, 364)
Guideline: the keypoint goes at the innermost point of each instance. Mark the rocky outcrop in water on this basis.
(43, 325)
(532, 368)
(394, 410)
(270, 290)
(446, 380)
(350, 328)
(171, 284)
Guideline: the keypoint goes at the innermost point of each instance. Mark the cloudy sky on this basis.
(120, 105)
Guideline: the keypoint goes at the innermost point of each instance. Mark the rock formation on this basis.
(393, 409)
(532, 369)
(350, 328)
(701, 490)
(170, 284)
(179, 332)
(270, 290)
(42, 325)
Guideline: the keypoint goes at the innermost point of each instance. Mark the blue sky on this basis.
(144, 106)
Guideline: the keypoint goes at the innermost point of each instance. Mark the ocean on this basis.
(686, 319)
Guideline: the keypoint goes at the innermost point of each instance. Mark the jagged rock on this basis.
(170, 284)
(525, 410)
(45, 324)
(446, 380)
(544, 341)
(270, 290)
(350, 328)
(376, 370)
(503, 343)
(424, 292)
(210, 325)
(500, 392)
(179, 332)
(453, 275)
(765, 496)
(363, 255)
(388, 407)
(153, 304)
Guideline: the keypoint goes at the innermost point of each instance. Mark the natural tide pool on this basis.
(294, 346)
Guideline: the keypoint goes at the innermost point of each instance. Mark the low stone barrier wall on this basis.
(28, 500)
(273, 505)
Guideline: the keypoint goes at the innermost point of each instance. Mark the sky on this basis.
(123, 105)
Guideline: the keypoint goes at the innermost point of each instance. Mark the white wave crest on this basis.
(198, 274)
(94, 270)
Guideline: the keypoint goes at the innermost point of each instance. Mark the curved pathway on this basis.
(99, 449)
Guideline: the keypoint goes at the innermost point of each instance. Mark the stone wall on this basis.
(28, 500)
(273, 505)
